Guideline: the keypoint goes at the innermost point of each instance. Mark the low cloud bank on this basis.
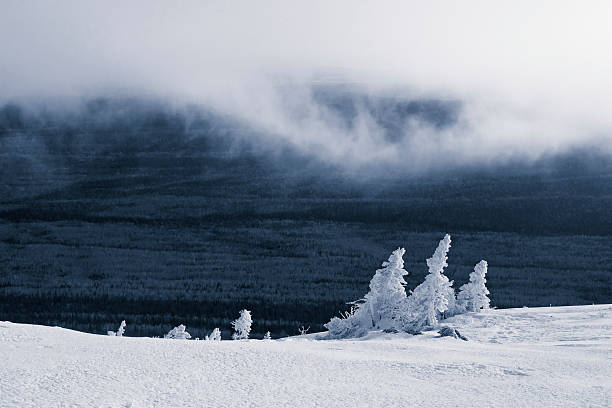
(403, 86)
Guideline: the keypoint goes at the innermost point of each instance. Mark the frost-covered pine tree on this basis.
(267, 336)
(242, 325)
(215, 335)
(178, 333)
(433, 297)
(381, 308)
(387, 297)
(473, 295)
(121, 329)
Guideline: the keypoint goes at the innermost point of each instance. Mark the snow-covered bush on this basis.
(355, 323)
(473, 295)
(434, 296)
(267, 336)
(215, 335)
(242, 325)
(178, 333)
(119, 332)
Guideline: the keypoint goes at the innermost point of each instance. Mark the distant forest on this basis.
(129, 209)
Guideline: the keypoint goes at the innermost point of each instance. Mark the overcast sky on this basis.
(534, 77)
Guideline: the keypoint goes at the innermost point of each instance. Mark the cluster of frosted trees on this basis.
(387, 306)
(242, 330)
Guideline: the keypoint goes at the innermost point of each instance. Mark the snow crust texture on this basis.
(536, 357)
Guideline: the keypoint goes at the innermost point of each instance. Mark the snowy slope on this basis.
(560, 356)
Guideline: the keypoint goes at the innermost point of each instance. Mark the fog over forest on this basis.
(487, 85)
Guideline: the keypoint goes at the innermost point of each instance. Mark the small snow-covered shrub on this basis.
(347, 327)
(267, 336)
(178, 333)
(473, 295)
(215, 335)
(119, 332)
(242, 325)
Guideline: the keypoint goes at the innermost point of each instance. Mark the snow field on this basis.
(536, 357)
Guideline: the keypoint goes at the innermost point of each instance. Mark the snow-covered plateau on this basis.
(528, 357)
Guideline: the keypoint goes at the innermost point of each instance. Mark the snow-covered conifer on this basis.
(267, 336)
(432, 297)
(121, 329)
(242, 325)
(178, 333)
(473, 295)
(381, 308)
(215, 335)
(387, 297)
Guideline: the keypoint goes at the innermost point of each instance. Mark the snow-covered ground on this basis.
(536, 357)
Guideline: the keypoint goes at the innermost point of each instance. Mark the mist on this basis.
(470, 83)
